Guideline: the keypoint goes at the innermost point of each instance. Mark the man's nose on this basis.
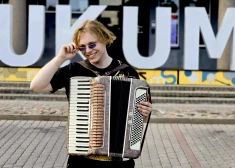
(88, 49)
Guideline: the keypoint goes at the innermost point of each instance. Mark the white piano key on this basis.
(80, 80)
(78, 144)
(78, 122)
(76, 85)
(78, 108)
(79, 96)
(74, 121)
(78, 126)
(81, 135)
(77, 91)
(81, 131)
(79, 105)
(82, 139)
(78, 136)
(77, 115)
(87, 83)
(77, 150)
(82, 101)
(78, 140)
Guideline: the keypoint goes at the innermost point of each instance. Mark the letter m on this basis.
(196, 20)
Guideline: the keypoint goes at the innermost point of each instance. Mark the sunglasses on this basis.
(91, 46)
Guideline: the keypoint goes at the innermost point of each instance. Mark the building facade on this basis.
(157, 37)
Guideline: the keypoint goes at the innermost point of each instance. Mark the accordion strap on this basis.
(87, 66)
(122, 66)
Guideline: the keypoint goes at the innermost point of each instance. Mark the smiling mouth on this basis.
(91, 55)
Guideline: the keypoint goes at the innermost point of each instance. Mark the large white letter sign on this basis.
(64, 30)
(162, 38)
(36, 37)
(196, 19)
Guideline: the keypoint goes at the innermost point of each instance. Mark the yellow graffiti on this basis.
(206, 78)
(181, 77)
(17, 74)
(157, 77)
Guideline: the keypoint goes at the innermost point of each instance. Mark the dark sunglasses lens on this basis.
(82, 48)
(93, 45)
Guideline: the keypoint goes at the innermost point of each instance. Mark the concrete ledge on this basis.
(34, 117)
(192, 121)
(152, 120)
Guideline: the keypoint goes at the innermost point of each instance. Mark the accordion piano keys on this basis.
(78, 134)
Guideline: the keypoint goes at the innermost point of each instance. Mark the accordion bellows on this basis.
(103, 116)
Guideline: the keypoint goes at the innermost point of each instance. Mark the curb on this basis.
(165, 120)
(33, 117)
(192, 120)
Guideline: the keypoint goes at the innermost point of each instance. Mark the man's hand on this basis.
(145, 108)
(68, 52)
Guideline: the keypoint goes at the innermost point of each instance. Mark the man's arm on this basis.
(41, 82)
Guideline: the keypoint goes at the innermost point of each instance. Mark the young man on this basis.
(91, 38)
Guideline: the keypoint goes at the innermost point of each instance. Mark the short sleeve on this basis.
(60, 78)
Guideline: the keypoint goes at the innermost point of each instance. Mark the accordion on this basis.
(103, 116)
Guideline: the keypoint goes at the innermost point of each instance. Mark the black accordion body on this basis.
(104, 118)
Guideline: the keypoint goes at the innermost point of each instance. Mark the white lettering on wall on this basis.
(64, 30)
(36, 34)
(162, 38)
(196, 20)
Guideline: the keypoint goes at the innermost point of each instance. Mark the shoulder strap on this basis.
(122, 66)
(87, 66)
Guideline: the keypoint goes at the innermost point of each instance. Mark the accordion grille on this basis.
(137, 126)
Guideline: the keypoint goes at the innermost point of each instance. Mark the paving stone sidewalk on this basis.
(161, 112)
(42, 144)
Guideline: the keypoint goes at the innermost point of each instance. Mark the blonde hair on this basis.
(104, 35)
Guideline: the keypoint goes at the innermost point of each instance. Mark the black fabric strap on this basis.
(86, 65)
(122, 66)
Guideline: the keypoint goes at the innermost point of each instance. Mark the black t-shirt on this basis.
(61, 79)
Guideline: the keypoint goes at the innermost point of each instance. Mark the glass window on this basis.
(51, 4)
(111, 3)
(200, 3)
(79, 6)
(174, 4)
(76, 6)
(4, 1)
(36, 2)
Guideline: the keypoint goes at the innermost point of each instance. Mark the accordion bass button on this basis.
(129, 122)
